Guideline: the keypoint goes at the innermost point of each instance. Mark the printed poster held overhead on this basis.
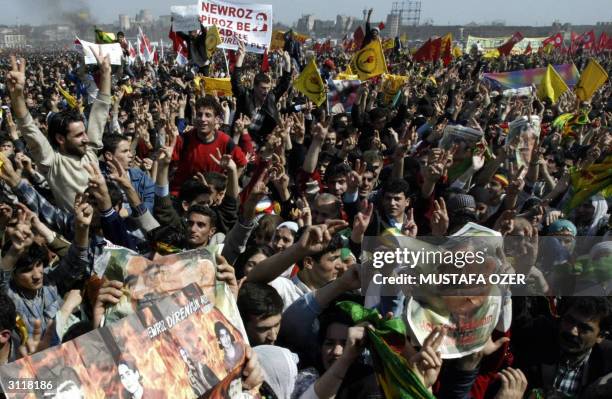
(247, 22)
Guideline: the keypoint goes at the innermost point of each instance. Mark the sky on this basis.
(442, 12)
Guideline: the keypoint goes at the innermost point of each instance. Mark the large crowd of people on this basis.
(285, 192)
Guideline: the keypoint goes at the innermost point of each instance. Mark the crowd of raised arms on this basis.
(284, 192)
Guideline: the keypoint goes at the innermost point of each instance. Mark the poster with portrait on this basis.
(147, 281)
(250, 23)
(181, 347)
(63, 373)
(469, 321)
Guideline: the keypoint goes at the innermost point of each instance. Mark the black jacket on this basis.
(196, 47)
(538, 356)
(245, 104)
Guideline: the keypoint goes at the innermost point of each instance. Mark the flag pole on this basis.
(226, 63)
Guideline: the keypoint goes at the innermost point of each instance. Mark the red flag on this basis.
(446, 50)
(506, 48)
(425, 52)
(603, 42)
(381, 26)
(358, 37)
(265, 64)
(556, 40)
(155, 57)
(146, 52)
(575, 41)
(436, 49)
(327, 46)
(528, 49)
(177, 42)
(588, 40)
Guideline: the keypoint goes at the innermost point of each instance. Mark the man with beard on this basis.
(72, 145)
(579, 355)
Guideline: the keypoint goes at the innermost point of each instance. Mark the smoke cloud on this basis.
(76, 13)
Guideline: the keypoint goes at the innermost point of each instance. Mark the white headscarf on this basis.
(280, 368)
(601, 209)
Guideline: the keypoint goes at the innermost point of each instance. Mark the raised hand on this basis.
(8, 172)
(83, 212)
(316, 238)
(517, 180)
(362, 221)
(25, 162)
(37, 341)
(319, 132)
(299, 128)
(439, 219)
(225, 161)
(15, 79)
(252, 374)
(97, 187)
(165, 152)
(505, 223)
(513, 384)
(356, 176)
(241, 124)
(20, 233)
(428, 361)
(410, 227)
(109, 294)
(226, 273)
(103, 61)
(119, 175)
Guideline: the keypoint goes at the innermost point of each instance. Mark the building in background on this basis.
(10, 38)
(392, 25)
(124, 22)
(306, 23)
(144, 17)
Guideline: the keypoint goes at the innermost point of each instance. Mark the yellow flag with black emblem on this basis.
(369, 61)
(310, 84)
(212, 40)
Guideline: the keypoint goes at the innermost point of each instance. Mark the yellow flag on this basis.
(278, 40)
(212, 40)
(549, 48)
(457, 52)
(389, 44)
(310, 83)
(403, 38)
(493, 53)
(369, 61)
(391, 85)
(72, 102)
(552, 85)
(592, 78)
(219, 86)
(346, 75)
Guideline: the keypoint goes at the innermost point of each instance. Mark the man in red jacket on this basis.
(200, 149)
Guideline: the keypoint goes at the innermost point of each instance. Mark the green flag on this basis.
(105, 37)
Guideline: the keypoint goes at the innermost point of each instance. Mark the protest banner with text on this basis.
(247, 22)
